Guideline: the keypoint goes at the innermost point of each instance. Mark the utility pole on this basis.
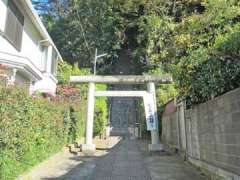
(95, 60)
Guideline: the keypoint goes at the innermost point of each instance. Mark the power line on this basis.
(83, 33)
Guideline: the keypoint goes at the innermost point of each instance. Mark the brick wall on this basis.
(212, 134)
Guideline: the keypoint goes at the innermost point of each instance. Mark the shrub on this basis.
(101, 108)
(31, 129)
(101, 112)
(209, 72)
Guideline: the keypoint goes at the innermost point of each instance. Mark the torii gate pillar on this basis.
(155, 141)
(89, 146)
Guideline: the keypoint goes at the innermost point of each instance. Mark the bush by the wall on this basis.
(75, 98)
(209, 72)
(33, 128)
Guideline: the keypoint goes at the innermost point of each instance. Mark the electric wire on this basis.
(83, 33)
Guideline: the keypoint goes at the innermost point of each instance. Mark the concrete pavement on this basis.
(127, 160)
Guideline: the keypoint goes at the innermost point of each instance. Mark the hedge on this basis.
(33, 128)
(101, 111)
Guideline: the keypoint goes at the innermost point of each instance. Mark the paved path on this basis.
(129, 160)
(167, 166)
(123, 162)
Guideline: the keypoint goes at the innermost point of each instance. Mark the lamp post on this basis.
(95, 60)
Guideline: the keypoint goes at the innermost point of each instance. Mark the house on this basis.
(26, 49)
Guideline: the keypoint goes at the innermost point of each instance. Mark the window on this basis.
(14, 25)
(44, 54)
(54, 62)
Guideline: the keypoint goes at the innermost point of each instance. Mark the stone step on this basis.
(74, 148)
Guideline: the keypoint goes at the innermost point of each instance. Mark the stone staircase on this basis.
(123, 117)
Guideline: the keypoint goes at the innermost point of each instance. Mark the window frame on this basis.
(54, 61)
(18, 23)
(44, 56)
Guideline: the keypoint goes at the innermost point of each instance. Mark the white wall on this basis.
(47, 85)
(30, 45)
(3, 12)
(30, 39)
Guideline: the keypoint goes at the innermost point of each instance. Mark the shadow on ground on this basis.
(130, 160)
(87, 164)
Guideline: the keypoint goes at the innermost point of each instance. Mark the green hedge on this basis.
(31, 129)
(101, 111)
(209, 72)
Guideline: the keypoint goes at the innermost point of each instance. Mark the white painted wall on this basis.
(30, 47)
(30, 44)
(30, 39)
(47, 85)
(3, 13)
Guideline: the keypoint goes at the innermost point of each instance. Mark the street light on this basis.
(95, 60)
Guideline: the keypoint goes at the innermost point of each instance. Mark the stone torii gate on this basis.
(123, 79)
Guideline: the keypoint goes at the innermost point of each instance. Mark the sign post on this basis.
(153, 119)
(149, 112)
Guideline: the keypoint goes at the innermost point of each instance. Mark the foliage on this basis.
(183, 38)
(76, 101)
(66, 70)
(214, 77)
(198, 43)
(78, 27)
(101, 112)
(211, 64)
(33, 128)
(101, 109)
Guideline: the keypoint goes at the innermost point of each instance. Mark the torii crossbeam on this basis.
(123, 79)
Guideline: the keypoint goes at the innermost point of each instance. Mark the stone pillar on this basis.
(89, 146)
(155, 141)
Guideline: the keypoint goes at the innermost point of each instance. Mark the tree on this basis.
(182, 38)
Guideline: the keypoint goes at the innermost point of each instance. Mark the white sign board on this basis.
(150, 112)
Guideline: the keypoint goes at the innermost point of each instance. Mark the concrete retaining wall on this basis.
(212, 132)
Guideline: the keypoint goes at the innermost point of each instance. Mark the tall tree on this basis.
(178, 37)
